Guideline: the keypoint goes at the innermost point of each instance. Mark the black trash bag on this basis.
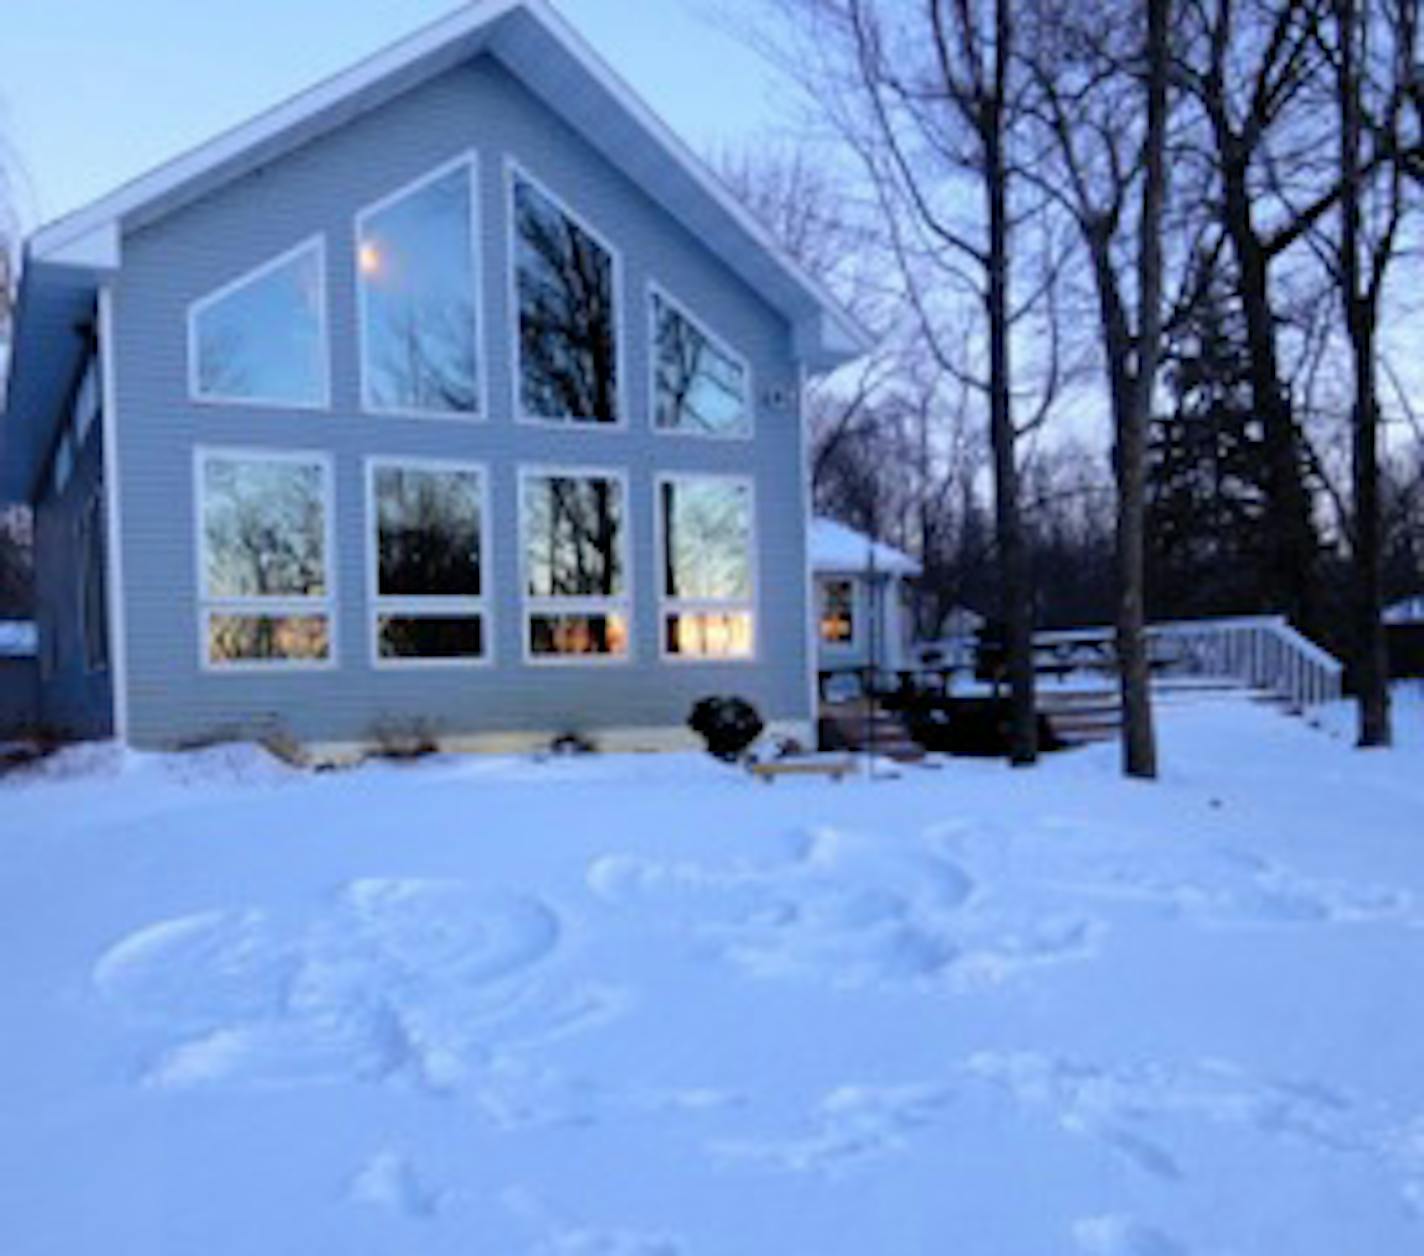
(727, 725)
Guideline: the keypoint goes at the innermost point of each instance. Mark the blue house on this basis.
(452, 394)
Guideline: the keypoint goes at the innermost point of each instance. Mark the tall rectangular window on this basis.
(565, 291)
(93, 610)
(261, 340)
(707, 530)
(575, 540)
(264, 549)
(699, 387)
(429, 526)
(417, 275)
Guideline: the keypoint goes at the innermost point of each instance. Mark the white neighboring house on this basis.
(18, 639)
(1410, 611)
(862, 599)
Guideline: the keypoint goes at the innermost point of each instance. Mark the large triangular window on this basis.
(261, 340)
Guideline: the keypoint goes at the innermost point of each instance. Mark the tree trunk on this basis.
(1139, 741)
(1015, 578)
(1361, 315)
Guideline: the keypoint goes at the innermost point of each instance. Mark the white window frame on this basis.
(279, 608)
(658, 292)
(86, 406)
(623, 604)
(469, 159)
(823, 583)
(315, 243)
(669, 606)
(515, 171)
(427, 607)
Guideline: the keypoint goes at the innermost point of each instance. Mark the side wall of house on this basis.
(75, 700)
(19, 696)
(318, 190)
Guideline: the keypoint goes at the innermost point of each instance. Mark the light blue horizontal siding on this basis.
(319, 189)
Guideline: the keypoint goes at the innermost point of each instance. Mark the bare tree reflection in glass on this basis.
(708, 575)
(261, 341)
(573, 530)
(567, 339)
(264, 535)
(700, 388)
(430, 528)
(417, 274)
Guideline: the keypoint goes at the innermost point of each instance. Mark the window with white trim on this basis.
(429, 537)
(261, 340)
(416, 268)
(838, 612)
(699, 387)
(63, 462)
(574, 528)
(565, 284)
(707, 526)
(264, 547)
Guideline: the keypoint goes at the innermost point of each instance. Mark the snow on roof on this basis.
(1410, 611)
(18, 639)
(835, 547)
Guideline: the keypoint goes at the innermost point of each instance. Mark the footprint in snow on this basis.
(850, 911)
(432, 982)
(1123, 1236)
(391, 1183)
(849, 1126)
(558, 1236)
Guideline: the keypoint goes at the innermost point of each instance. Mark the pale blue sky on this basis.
(93, 92)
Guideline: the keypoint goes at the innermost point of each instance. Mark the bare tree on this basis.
(1373, 46)
(1092, 70)
(927, 97)
(1249, 68)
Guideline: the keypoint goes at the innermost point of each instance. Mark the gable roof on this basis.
(838, 549)
(67, 260)
(559, 65)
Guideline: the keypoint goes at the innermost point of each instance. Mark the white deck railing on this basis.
(1264, 652)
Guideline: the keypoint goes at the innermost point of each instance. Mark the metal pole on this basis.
(872, 654)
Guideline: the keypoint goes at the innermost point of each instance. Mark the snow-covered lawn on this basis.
(648, 1007)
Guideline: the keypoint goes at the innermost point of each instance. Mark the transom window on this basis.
(430, 532)
(699, 387)
(262, 339)
(263, 529)
(565, 281)
(838, 612)
(709, 568)
(417, 276)
(575, 565)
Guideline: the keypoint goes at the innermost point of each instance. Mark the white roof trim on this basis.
(98, 249)
(76, 238)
